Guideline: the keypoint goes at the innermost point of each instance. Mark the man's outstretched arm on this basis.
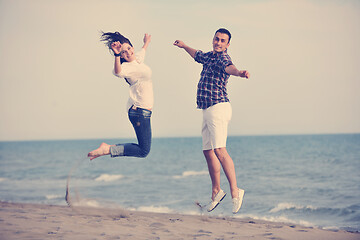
(188, 49)
(232, 70)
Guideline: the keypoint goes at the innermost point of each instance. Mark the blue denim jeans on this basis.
(140, 119)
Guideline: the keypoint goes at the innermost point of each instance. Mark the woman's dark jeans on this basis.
(140, 119)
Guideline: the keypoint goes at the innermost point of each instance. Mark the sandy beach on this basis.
(35, 221)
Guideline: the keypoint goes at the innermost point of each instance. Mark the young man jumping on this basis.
(213, 99)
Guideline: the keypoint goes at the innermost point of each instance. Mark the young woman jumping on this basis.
(130, 66)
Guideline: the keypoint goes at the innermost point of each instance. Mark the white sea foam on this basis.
(155, 209)
(108, 178)
(288, 206)
(331, 228)
(192, 212)
(190, 173)
(86, 203)
(279, 219)
(53, 196)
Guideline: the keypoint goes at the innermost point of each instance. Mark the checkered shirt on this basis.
(213, 78)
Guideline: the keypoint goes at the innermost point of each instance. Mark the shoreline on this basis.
(40, 221)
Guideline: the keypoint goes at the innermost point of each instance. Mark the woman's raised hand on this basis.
(116, 47)
(147, 38)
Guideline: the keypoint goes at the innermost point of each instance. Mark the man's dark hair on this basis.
(223, 30)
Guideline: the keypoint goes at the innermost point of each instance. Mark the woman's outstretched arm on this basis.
(147, 39)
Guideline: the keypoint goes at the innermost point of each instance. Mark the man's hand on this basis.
(179, 43)
(188, 49)
(244, 74)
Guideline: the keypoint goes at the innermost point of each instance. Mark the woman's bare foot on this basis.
(104, 149)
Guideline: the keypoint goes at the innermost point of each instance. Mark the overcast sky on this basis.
(56, 77)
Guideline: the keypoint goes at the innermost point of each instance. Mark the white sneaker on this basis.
(238, 201)
(217, 199)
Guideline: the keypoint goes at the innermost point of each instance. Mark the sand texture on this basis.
(35, 221)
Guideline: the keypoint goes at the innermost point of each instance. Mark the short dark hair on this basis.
(223, 30)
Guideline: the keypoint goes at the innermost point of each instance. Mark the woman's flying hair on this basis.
(109, 37)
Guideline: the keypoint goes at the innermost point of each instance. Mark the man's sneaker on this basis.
(238, 201)
(217, 199)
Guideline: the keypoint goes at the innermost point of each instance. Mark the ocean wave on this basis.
(290, 206)
(53, 196)
(345, 217)
(190, 173)
(155, 209)
(86, 203)
(278, 219)
(193, 212)
(351, 212)
(108, 178)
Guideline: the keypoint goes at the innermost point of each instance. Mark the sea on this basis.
(311, 180)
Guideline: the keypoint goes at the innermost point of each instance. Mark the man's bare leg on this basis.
(214, 170)
(104, 149)
(229, 169)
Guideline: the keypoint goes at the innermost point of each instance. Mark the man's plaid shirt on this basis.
(212, 85)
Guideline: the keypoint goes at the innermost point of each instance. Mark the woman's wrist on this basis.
(117, 54)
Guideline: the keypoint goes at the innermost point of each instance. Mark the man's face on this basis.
(220, 42)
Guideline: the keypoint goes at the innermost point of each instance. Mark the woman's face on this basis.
(127, 52)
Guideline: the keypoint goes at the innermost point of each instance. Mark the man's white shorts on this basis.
(215, 124)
